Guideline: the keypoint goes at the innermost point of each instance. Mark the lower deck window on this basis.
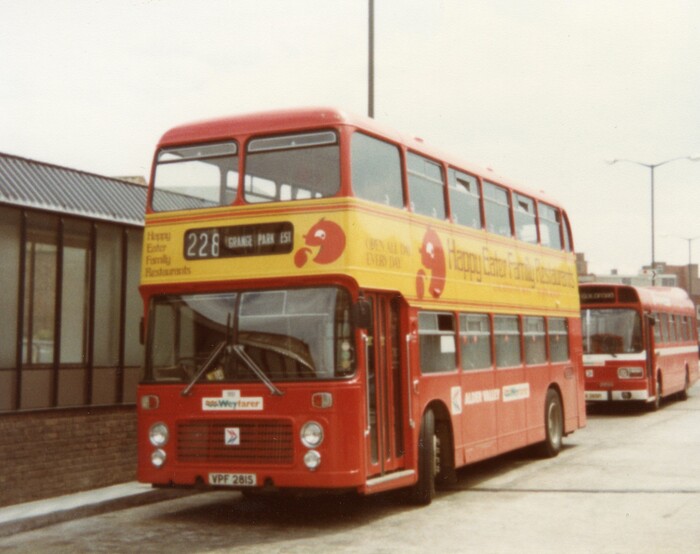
(507, 334)
(558, 339)
(438, 346)
(535, 344)
(475, 341)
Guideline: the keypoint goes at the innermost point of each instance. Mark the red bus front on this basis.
(252, 388)
(639, 343)
(615, 354)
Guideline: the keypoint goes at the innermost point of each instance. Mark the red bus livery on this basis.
(639, 343)
(332, 306)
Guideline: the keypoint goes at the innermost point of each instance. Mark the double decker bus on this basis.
(330, 305)
(639, 343)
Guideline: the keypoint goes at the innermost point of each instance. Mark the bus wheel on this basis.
(656, 404)
(683, 395)
(553, 424)
(423, 491)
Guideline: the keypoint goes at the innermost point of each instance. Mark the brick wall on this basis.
(50, 453)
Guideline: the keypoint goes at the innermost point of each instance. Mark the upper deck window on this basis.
(376, 171)
(292, 167)
(465, 199)
(426, 186)
(550, 226)
(200, 176)
(525, 228)
(497, 210)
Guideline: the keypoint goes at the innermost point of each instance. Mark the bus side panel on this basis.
(479, 439)
(575, 378)
(672, 361)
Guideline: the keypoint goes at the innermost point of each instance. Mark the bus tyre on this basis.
(656, 403)
(683, 395)
(423, 491)
(553, 425)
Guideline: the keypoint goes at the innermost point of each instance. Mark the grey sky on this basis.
(542, 91)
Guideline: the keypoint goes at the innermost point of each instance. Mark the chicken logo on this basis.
(434, 269)
(327, 237)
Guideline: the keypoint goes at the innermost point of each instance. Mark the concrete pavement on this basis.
(33, 515)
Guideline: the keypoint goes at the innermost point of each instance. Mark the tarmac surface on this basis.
(628, 482)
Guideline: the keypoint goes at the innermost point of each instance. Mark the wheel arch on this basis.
(445, 433)
(556, 388)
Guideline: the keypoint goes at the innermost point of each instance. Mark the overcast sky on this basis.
(542, 91)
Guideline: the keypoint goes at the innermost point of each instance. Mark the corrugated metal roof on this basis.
(31, 184)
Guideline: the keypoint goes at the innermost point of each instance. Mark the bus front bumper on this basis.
(617, 395)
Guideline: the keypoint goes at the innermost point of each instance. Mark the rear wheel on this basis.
(553, 424)
(683, 395)
(656, 403)
(423, 491)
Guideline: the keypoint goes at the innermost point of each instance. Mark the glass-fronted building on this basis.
(70, 245)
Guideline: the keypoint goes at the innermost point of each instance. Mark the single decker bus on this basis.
(332, 306)
(639, 343)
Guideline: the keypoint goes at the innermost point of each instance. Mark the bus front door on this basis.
(384, 401)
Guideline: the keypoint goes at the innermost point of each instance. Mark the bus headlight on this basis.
(312, 459)
(158, 457)
(158, 434)
(311, 434)
(630, 372)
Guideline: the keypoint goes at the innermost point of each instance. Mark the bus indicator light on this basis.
(322, 400)
(150, 402)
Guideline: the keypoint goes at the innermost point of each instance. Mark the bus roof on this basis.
(280, 121)
(653, 297)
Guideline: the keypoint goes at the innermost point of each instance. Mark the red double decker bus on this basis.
(332, 306)
(639, 343)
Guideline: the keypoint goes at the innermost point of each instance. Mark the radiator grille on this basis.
(259, 441)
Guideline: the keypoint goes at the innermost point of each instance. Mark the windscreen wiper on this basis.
(250, 362)
(206, 366)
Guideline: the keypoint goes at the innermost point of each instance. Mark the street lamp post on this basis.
(651, 168)
(690, 259)
(370, 61)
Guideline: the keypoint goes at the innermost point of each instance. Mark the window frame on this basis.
(507, 335)
(553, 332)
(442, 333)
(390, 200)
(76, 381)
(496, 207)
(524, 214)
(420, 181)
(465, 337)
(457, 193)
(538, 334)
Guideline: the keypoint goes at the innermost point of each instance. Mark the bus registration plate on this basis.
(233, 479)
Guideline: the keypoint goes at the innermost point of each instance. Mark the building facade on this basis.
(70, 350)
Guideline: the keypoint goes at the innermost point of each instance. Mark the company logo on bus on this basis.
(326, 239)
(432, 275)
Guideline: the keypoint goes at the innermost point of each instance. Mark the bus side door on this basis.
(385, 405)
